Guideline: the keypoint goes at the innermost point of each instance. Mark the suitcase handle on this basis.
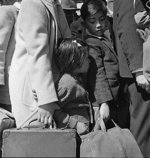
(39, 125)
(42, 125)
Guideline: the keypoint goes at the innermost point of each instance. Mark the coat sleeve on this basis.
(7, 21)
(69, 90)
(34, 25)
(97, 79)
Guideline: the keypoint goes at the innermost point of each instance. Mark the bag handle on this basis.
(40, 125)
(102, 124)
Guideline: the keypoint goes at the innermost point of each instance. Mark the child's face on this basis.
(96, 24)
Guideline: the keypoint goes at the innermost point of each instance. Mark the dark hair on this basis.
(70, 54)
(99, 5)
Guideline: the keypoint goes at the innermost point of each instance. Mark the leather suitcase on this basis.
(39, 143)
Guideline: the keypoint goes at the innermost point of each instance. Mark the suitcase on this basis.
(39, 143)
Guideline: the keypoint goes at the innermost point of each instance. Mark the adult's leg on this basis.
(140, 117)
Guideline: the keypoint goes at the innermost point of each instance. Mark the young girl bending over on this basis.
(73, 62)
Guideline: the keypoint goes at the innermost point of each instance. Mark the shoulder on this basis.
(67, 81)
(92, 41)
(76, 24)
(32, 5)
(94, 46)
(33, 11)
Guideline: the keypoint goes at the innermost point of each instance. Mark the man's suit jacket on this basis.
(8, 16)
(128, 43)
(31, 69)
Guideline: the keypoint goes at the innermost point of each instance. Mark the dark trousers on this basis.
(140, 117)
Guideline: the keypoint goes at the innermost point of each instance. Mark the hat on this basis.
(68, 4)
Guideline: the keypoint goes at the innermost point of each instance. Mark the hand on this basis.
(142, 82)
(148, 88)
(81, 128)
(46, 111)
(104, 111)
(144, 34)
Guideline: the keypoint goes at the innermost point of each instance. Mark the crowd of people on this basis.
(67, 66)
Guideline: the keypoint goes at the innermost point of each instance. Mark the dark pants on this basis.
(140, 117)
(134, 113)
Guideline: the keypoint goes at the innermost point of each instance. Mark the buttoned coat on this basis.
(40, 23)
(8, 16)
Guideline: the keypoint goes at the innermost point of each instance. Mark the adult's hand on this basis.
(46, 111)
(142, 81)
(104, 112)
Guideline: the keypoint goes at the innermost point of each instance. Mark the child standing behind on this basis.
(72, 60)
(103, 76)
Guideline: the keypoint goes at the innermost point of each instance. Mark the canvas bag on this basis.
(6, 121)
(114, 142)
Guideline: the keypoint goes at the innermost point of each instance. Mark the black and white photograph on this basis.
(75, 78)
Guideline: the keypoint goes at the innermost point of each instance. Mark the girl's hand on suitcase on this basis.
(81, 128)
(46, 111)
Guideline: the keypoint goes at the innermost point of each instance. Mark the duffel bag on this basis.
(114, 142)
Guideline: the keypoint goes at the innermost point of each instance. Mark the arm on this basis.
(99, 83)
(69, 90)
(34, 23)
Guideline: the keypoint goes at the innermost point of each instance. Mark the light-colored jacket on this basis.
(40, 24)
(8, 15)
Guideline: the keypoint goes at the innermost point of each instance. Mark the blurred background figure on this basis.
(110, 6)
(7, 2)
(70, 8)
(8, 15)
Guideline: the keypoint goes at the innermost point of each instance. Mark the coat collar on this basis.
(105, 41)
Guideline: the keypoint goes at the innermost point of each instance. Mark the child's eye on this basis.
(92, 21)
(102, 19)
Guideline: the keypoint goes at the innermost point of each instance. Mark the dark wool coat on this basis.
(103, 76)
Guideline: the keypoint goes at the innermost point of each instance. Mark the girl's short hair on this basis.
(70, 54)
(98, 5)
